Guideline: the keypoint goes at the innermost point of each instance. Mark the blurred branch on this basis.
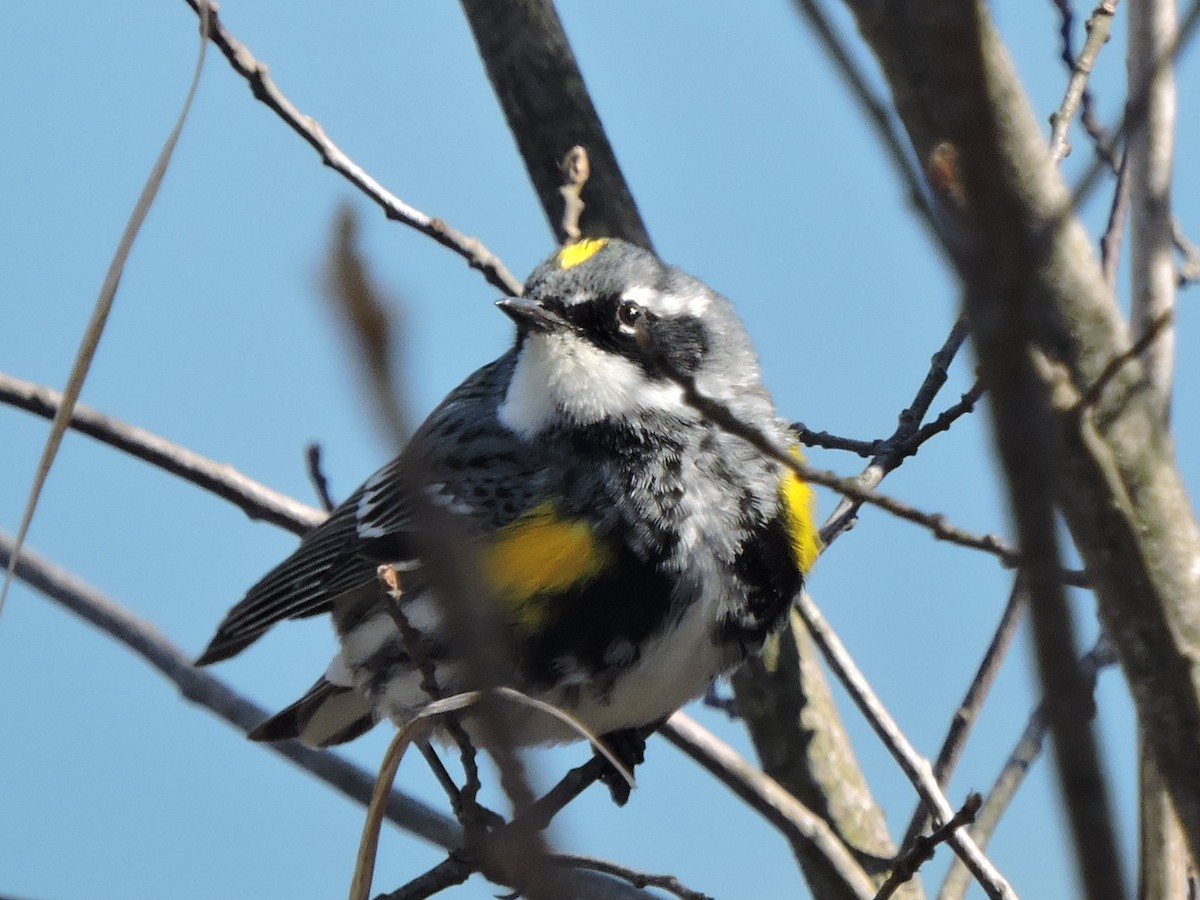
(997, 265)
(911, 763)
(367, 317)
(1114, 473)
(549, 110)
(514, 856)
(264, 88)
(199, 687)
(1150, 157)
(1148, 167)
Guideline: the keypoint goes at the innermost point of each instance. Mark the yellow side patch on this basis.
(801, 506)
(580, 252)
(539, 555)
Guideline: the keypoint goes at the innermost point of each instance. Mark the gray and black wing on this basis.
(374, 525)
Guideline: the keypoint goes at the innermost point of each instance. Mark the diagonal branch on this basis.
(254, 499)
(801, 826)
(914, 766)
(200, 687)
(264, 88)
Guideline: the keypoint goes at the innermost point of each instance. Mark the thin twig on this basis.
(852, 488)
(951, 414)
(968, 710)
(911, 763)
(463, 801)
(923, 846)
(575, 168)
(892, 452)
(542, 92)
(264, 88)
(1012, 774)
(254, 499)
(1189, 267)
(827, 441)
(1135, 111)
(1099, 28)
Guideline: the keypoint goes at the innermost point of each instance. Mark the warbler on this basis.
(631, 549)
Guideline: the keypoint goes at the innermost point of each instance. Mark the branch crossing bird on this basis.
(631, 550)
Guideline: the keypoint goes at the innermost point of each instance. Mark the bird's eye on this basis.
(628, 314)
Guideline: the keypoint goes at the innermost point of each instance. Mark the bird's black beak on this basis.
(531, 314)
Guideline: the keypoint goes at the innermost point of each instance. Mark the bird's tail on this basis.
(328, 714)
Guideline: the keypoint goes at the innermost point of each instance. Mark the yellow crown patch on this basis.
(579, 252)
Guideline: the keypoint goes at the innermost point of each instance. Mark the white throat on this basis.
(563, 376)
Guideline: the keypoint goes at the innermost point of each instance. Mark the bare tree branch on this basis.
(968, 711)
(1122, 495)
(254, 499)
(1099, 27)
(923, 846)
(796, 822)
(788, 707)
(1150, 157)
(1148, 165)
(895, 449)
(199, 687)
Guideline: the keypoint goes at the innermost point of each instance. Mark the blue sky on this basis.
(752, 170)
